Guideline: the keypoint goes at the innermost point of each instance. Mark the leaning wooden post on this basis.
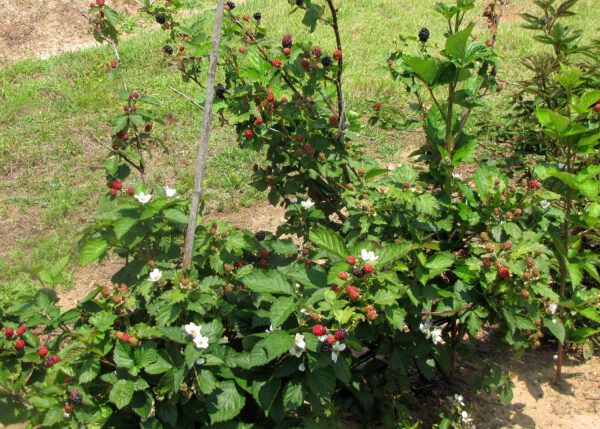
(188, 245)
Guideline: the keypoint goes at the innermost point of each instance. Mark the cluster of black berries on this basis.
(231, 5)
(220, 91)
(423, 35)
(161, 18)
(168, 50)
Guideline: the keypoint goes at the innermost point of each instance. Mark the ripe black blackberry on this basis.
(231, 5)
(299, 2)
(257, 16)
(161, 18)
(424, 35)
(359, 272)
(286, 42)
(76, 399)
(168, 50)
(260, 235)
(220, 91)
(325, 347)
(326, 61)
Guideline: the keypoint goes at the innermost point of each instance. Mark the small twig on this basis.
(438, 313)
(188, 98)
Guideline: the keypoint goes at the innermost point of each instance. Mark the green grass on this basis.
(50, 166)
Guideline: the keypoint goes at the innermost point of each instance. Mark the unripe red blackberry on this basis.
(530, 262)
(246, 18)
(340, 334)
(319, 330)
(113, 193)
(114, 64)
(258, 121)
(337, 55)
(305, 64)
(486, 262)
(597, 107)
(351, 260)
(43, 351)
(353, 293)
(287, 51)
(276, 63)
(69, 408)
(317, 52)
(331, 339)
(504, 272)
(21, 330)
(343, 275)
(371, 313)
(100, 3)
(525, 293)
(308, 149)
(377, 105)
(368, 268)
(130, 191)
(148, 127)
(19, 344)
(9, 332)
(248, 134)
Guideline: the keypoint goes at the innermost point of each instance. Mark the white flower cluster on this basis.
(433, 332)
(200, 341)
(368, 256)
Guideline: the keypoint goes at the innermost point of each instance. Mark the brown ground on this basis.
(36, 28)
(40, 28)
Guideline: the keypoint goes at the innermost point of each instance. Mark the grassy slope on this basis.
(49, 166)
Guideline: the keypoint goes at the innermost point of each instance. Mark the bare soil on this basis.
(40, 28)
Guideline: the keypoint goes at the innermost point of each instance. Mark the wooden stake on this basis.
(188, 245)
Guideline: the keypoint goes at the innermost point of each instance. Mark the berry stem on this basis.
(343, 123)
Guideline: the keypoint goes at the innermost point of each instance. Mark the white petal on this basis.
(301, 367)
(170, 192)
